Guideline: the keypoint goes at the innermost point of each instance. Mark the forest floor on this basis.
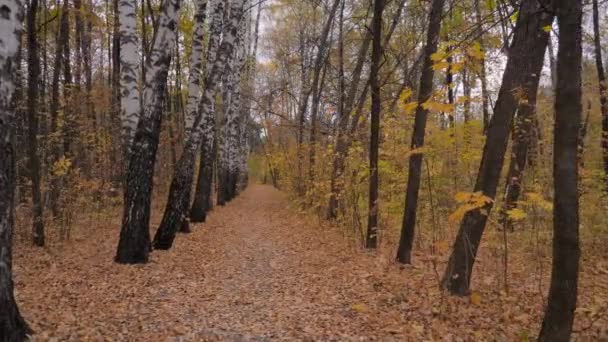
(258, 270)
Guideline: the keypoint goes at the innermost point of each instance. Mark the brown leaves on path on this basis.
(256, 271)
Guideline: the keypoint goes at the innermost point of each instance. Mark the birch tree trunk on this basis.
(229, 144)
(134, 244)
(196, 66)
(204, 126)
(202, 198)
(130, 108)
(12, 325)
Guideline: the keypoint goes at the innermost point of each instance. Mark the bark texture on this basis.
(134, 244)
(12, 325)
(404, 252)
(182, 178)
(561, 302)
(527, 43)
(372, 217)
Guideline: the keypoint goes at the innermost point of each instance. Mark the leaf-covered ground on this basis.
(258, 271)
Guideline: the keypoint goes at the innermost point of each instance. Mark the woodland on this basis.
(307, 170)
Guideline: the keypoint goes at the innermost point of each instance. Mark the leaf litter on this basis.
(258, 270)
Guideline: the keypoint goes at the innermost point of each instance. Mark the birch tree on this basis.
(227, 164)
(130, 109)
(134, 244)
(204, 126)
(202, 196)
(12, 325)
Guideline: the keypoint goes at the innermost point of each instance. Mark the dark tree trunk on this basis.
(372, 218)
(603, 86)
(134, 244)
(524, 133)
(561, 302)
(32, 115)
(404, 252)
(202, 202)
(12, 325)
(527, 43)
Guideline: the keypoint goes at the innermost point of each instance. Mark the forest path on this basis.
(256, 270)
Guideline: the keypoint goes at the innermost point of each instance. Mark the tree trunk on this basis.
(134, 244)
(404, 252)
(343, 138)
(175, 210)
(32, 110)
(482, 70)
(372, 218)
(202, 197)
(561, 302)
(130, 107)
(603, 86)
(229, 127)
(527, 43)
(12, 325)
(524, 133)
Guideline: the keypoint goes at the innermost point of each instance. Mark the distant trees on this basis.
(12, 326)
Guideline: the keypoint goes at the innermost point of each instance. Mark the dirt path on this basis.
(256, 271)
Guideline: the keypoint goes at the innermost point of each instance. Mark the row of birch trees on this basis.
(136, 88)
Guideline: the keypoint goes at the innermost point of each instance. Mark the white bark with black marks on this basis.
(196, 65)
(129, 72)
(134, 244)
(203, 127)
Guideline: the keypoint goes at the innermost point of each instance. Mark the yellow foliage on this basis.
(438, 107)
(475, 51)
(516, 214)
(62, 166)
(468, 201)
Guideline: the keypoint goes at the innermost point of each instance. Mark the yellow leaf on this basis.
(475, 298)
(440, 66)
(409, 107)
(438, 107)
(547, 28)
(476, 51)
(359, 307)
(516, 214)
